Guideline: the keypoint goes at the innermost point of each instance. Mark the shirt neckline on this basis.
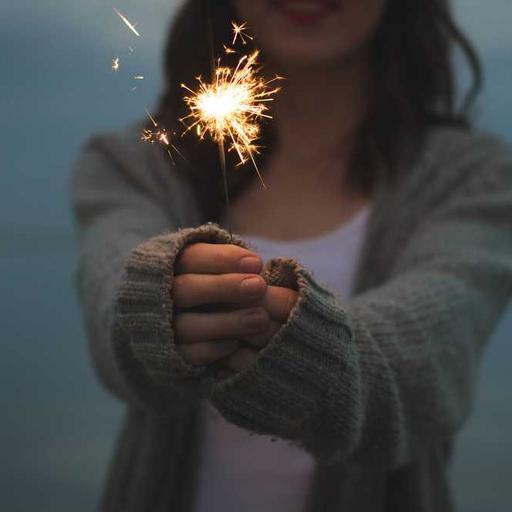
(360, 216)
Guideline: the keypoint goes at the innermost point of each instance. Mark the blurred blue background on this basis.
(58, 426)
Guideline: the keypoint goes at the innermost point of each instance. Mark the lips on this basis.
(305, 12)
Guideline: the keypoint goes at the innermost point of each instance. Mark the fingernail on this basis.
(256, 319)
(252, 286)
(250, 264)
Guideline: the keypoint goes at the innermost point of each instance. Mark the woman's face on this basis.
(309, 32)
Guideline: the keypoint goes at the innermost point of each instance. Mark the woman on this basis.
(336, 376)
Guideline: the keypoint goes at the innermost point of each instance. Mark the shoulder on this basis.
(124, 145)
(121, 160)
(123, 152)
(451, 145)
(465, 150)
(452, 159)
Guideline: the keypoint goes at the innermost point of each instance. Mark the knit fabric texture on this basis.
(374, 387)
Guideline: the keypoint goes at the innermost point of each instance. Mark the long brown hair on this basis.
(412, 65)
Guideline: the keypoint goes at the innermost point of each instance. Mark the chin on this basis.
(309, 32)
(306, 53)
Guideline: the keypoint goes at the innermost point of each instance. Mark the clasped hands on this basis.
(245, 312)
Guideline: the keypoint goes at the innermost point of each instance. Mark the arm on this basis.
(128, 217)
(375, 379)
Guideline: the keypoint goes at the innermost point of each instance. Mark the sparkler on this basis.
(231, 107)
(127, 22)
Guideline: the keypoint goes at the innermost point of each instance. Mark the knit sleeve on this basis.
(129, 239)
(375, 379)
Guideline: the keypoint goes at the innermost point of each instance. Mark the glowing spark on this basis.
(159, 136)
(115, 64)
(151, 118)
(239, 31)
(138, 77)
(231, 107)
(228, 50)
(127, 22)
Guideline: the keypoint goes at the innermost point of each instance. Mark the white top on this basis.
(250, 473)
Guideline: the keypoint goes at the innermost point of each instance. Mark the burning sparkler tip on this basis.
(230, 108)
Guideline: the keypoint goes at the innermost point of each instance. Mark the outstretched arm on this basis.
(376, 378)
(129, 210)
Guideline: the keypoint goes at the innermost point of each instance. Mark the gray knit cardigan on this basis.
(374, 387)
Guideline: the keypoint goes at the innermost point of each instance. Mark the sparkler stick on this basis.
(222, 149)
(230, 109)
(222, 157)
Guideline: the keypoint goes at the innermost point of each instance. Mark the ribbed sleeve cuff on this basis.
(296, 377)
(145, 308)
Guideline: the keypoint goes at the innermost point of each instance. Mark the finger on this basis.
(206, 352)
(260, 340)
(198, 327)
(240, 359)
(190, 290)
(203, 258)
(279, 302)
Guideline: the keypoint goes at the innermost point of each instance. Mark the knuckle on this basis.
(186, 255)
(236, 254)
(182, 286)
(223, 254)
(218, 257)
(235, 251)
(177, 285)
(186, 328)
(255, 319)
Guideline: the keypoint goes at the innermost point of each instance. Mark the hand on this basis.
(278, 302)
(207, 274)
(214, 274)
